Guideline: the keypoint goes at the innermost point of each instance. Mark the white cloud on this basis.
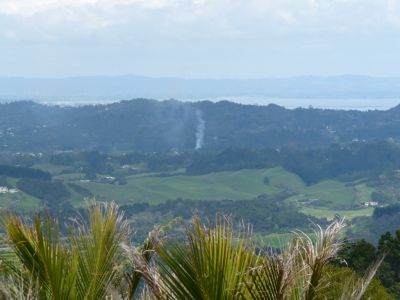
(308, 24)
(29, 7)
(117, 19)
(393, 10)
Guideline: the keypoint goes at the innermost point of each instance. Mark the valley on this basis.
(270, 176)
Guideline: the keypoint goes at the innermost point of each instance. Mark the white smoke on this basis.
(201, 127)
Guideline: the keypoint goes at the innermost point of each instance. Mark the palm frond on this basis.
(82, 266)
(97, 245)
(16, 288)
(212, 264)
(298, 272)
(312, 256)
(96, 262)
(355, 290)
(139, 264)
(43, 256)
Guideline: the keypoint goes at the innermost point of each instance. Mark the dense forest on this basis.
(149, 125)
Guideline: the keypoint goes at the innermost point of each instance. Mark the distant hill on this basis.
(105, 88)
(149, 125)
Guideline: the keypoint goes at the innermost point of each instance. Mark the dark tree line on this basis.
(23, 172)
(266, 213)
(53, 193)
(345, 162)
(360, 254)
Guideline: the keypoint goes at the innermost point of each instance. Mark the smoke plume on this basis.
(201, 126)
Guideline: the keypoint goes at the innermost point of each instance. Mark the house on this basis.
(6, 190)
(370, 203)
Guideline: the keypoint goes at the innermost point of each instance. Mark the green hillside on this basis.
(235, 185)
(324, 199)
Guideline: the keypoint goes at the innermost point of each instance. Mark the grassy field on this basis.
(331, 213)
(334, 194)
(243, 184)
(273, 240)
(19, 201)
(279, 240)
(323, 199)
(235, 185)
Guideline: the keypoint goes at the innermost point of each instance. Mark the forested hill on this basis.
(149, 125)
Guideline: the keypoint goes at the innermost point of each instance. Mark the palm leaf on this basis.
(300, 271)
(98, 245)
(212, 264)
(81, 267)
(43, 256)
(139, 264)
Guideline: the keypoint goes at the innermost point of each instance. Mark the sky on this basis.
(199, 38)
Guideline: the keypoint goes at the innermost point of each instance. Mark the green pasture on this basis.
(235, 185)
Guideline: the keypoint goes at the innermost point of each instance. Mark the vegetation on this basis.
(95, 261)
(149, 126)
(276, 168)
(23, 172)
(383, 219)
(360, 253)
(269, 214)
(167, 183)
(81, 268)
(48, 191)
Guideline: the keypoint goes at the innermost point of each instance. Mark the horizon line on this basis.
(305, 76)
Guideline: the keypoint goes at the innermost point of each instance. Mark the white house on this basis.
(370, 203)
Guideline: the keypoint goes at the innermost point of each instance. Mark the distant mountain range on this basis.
(103, 88)
(149, 125)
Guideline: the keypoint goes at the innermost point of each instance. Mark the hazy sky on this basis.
(199, 38)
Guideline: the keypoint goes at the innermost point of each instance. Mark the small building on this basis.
(370, 203)
(6, 190)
